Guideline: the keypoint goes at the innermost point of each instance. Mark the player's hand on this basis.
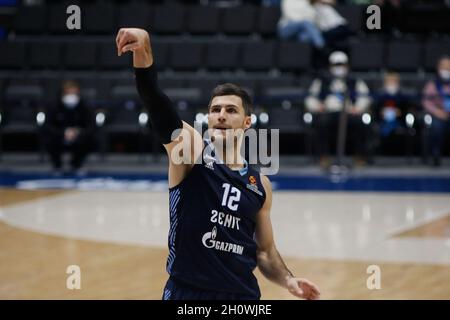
(136, 41)
(303, 288)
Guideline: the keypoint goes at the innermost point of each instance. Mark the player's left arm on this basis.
(270, 262)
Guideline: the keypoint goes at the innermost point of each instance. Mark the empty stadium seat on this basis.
(122, 118)
(222, 55)
(433, 51)
(268, 18)
(22, 99)
(108, 58)
(137, 15)
(276, 82)
(258, 56)
(80, 55)
(239, 20)
(294, 56)
(403, 56)
(168, 19)
(170, 83)
(206, 86)
(286, 120)
(45, 55)
(354, 14)
(30, 20)
(202, 20)
(186, 56)
(98, 18)
(180, 94)
(277, 95)
(13, 55)
(160, 54)
(366, 55)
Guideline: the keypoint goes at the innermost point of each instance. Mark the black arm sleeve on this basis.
(162, 113)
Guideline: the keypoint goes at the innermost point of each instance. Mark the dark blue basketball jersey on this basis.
(212, 225)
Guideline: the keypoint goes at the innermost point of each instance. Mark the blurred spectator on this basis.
(436, 101)
(358, 2)
(298, 22)
(328, 96)
(271, 2)
(332, 25)
(69, 127)
(391, 107)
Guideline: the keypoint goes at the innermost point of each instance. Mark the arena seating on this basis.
(195, 47)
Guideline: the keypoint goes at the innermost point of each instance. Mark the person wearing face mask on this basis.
(69, 126)
(328, 95)
(436, 102)
(391, 106)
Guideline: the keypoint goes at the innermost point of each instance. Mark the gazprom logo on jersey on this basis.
(209, 242)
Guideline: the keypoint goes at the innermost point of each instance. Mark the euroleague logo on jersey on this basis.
(253, 185)
(210, 242)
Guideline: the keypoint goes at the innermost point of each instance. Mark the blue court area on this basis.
(156, 181)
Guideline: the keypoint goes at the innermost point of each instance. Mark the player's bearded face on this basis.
(227, 118)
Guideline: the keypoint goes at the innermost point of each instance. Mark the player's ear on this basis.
(247, 122)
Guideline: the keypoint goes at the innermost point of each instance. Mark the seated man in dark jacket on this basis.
(391, 108)
(69, 127)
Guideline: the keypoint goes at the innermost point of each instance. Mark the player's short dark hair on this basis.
(230, 89)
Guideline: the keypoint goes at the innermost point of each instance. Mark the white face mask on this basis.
(339, 71)
(444, 74)
(390, 89)
(70, 101)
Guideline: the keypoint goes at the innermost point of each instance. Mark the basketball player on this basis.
(220, 227)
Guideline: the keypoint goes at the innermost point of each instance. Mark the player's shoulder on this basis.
(265, 181)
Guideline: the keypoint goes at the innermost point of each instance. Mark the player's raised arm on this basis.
(163, 115)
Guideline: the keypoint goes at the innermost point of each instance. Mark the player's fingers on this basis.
(310, 294)
(311, 285)
(126, 38)
(119, 35)
(314, 289)
(130, 47)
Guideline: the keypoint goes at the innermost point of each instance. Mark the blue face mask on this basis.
(389, 115)
(447, 103)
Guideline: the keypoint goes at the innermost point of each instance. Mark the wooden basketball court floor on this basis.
(118, 239)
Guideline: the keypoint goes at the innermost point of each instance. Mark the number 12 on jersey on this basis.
(231, 197)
